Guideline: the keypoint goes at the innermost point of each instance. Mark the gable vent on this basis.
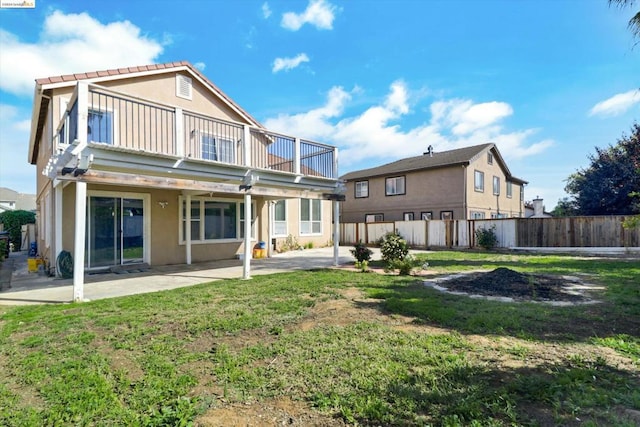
(184, 87)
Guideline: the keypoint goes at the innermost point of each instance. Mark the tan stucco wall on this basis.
(486, 201)
(434, 190)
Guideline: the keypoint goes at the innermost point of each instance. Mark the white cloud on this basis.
(287, 64)
(15, 172)
(617, 104)
(319, 13)
(200, 66)
(72, 43)
(377, 132)
(266, 11)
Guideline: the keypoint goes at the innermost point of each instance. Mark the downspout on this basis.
(464, 192)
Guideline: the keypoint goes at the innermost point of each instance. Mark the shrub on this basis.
(405, 266)
(361, 253)
(486, 237)
(393, 247)
(363, 265)
(13, 222)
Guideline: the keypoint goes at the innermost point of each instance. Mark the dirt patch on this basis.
(512, 285)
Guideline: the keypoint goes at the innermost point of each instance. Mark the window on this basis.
(395, 186)
(408, 216)
(509, 189)
(253, 221)
(478, 179)
(362, 189)
(374, 217)
(521, 193)
(446, 214)
(490, 158)
(496, 185)
(477, 215)
(219, 149)
(426, 215)
(280, 218)
(100, 126)
(214, 220)
(495, 215)
(310, 216)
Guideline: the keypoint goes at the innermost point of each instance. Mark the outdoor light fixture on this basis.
(248, 181)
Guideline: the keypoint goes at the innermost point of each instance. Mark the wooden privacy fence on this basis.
(586, 231)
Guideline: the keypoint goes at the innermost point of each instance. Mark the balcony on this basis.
(143, 126)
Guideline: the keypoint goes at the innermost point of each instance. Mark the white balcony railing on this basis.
(99, 115)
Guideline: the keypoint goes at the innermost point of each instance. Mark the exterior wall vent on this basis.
(184, 87)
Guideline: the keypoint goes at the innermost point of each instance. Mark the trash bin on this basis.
(260, 250)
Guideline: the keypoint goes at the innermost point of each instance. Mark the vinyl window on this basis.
(395, 186)
(362, 189)
(478, 181)
(310, 216)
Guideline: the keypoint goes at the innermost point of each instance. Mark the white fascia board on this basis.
(35, 114)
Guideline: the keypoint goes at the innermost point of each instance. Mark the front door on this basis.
(115, 231)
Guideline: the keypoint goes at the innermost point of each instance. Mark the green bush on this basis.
(404, 266)
(361, 253)
(393, 247)
(486, 237)
(13, 222)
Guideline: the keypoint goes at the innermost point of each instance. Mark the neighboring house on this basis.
(535, 209)
(12, 200)
(467, 183)
(155, 164)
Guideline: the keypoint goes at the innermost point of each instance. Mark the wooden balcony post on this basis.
(296, 156)
(179, 136)
(83, 111)
(246, 145)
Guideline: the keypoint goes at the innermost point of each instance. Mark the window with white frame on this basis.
(362, 189)
(100, 126)
(395, 186)
(496, 185)
(478, 181)
(477, 215)
(280, 218)
(310, 216)
(490, 158)
(509, 189)
(217, 148)
(521, 193)
(253, 221)
(374, 217)
(214, 220)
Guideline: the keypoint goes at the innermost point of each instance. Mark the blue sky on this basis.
(547, 81)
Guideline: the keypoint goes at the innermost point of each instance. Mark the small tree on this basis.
(393, 247)
(13, 222)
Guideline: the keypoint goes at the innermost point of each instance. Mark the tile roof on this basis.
(141, 69)
(437, 160)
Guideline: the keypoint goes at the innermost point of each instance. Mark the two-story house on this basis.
(156, 165)
(466, 183)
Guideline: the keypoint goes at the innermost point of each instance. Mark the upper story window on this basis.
(395, 186)
(490, 158)
(496, 185)
(521, 193)
(100, 126)
(362, 189)
(280, 218)
(478, 181)
(310, 216)
(216, 148)
(509, 189)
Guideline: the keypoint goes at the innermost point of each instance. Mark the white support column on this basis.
(57, 215)
(187, 228)
(296, 156)
(246, 262)
(336, 233)
(179, 136)
(79, 238)
(246, 145)
(270, 217)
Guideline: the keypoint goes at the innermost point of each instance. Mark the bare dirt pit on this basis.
(508, 285)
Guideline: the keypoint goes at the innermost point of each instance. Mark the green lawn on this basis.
(346, 347)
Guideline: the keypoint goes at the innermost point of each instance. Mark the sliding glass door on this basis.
(115, 231)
